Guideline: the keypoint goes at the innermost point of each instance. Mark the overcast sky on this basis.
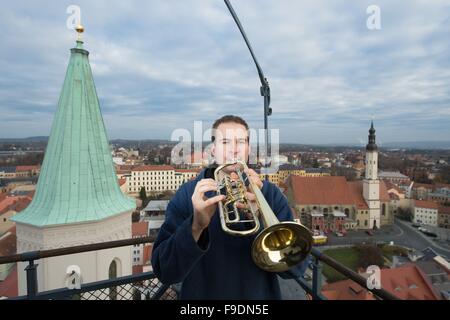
(161, 65)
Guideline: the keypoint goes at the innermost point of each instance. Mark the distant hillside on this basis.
(29, 139)
(418, 145)
(423, 145)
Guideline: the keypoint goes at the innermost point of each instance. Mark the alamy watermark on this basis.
(73, 277)
(374, 278)
(75, 16)
(373, 22)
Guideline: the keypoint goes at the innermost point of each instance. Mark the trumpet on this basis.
(280, 245)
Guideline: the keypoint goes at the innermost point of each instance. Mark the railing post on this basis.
(32, 283)
(317, 278)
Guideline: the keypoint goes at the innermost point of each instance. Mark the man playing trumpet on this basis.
(192, 247)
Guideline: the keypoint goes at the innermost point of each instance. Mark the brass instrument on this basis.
(280, 245)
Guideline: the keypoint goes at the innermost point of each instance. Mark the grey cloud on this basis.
(160, 65)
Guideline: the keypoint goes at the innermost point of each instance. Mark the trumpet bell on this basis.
(281, 246)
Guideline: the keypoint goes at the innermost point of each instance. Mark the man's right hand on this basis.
(204, 208)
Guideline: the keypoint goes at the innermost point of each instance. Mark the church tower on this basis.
(77, 200)
(371, 183)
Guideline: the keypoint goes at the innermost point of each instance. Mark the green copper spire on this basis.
(78, 182)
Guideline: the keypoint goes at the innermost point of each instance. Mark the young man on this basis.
(192, 247)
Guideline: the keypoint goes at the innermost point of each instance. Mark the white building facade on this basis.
(371, 183)
(158, 178)
(425, 212)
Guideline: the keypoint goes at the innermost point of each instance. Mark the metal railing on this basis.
(315, 289)
(146, 286)
(133, 287)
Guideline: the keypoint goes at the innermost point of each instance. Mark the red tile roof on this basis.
(27, 168)
(442, 185)
(346, 290)
(356, 189)
(359, 166)
(321, 190)
(122, 182)
(14, 203)
(123, 169)
(21, 204)
(188, 170)
(423, 185)
(407, 282)
(393, 196)
(6, 203)
(31, 194)
(390, 185)
(384, 195)
(8, 244)
(426, 204)
(147, 254)
(9, 287)
(444, 210)
(126, 167)
(3, 196)
(153, 168)
(138, 269)
(330, 190)
(139, 229)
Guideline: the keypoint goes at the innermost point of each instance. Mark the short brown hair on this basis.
(227, 119)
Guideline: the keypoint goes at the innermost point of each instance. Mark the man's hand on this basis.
(254, 177)
(204, 208)
(256, 181)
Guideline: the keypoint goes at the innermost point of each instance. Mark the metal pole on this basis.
(32, 284)
(265, 89)
(317, 278)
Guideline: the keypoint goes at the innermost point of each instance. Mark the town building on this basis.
(78, 200)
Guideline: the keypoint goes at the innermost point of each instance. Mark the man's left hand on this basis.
(254, 177)
(256, 181)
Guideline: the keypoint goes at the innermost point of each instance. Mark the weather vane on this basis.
(79, 29)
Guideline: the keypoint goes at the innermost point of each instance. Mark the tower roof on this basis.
(77, 182)
(371, 146)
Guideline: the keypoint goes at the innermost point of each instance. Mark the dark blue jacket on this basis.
(219, 265)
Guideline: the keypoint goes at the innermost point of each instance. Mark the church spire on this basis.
(371, 146)
(77, 182)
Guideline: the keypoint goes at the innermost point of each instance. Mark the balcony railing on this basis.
(146, 286)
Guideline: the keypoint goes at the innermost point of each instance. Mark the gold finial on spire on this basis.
(79, 29)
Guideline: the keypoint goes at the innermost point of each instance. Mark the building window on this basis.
(113, 275)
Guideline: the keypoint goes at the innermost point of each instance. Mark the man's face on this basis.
(231, 143)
